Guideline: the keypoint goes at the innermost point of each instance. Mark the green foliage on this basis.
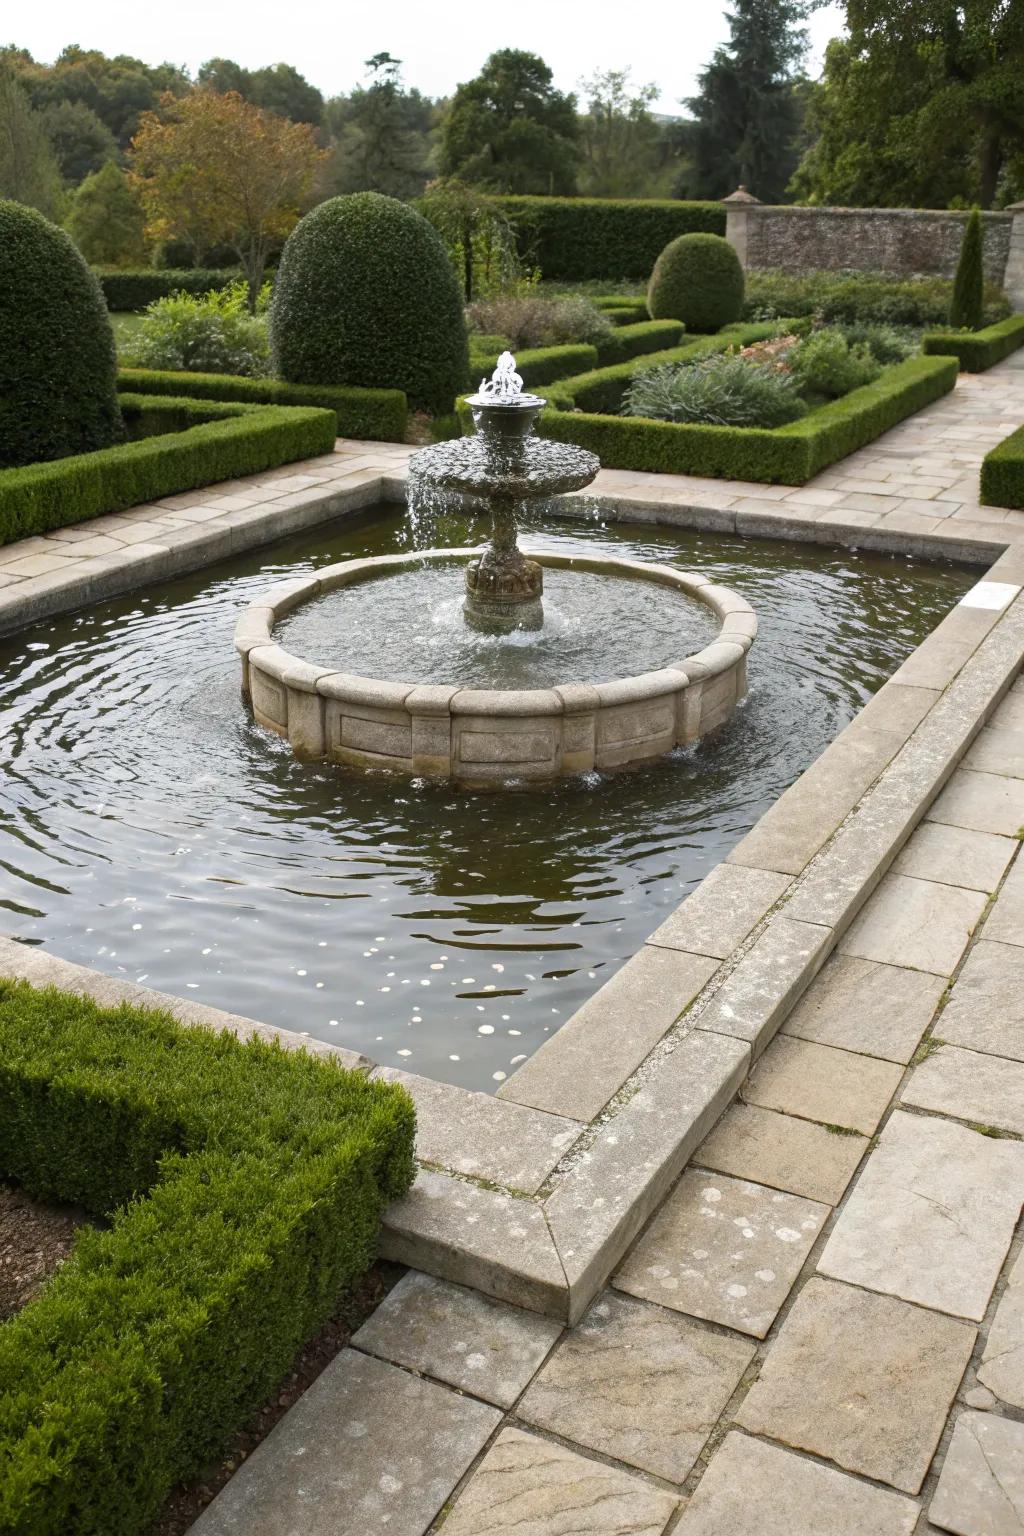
(212, 332)
(105, 219)
(747, 112)
(276, 88)
(377, 414)
(872, 298)
(826, 364)
(204, 443)
(1002, 473)
(245, 1185)
(790, 455)
(381, 135)
(533, 321)
(131, 292)
(886, 343)
(117, 90)
(28, 168)
(697, 279)
(479, 238)
(574, 238)
(81, 142)
(57, 358)
(621, 143)
(968, 300)
(535, 365)
(980, 350)
(637, 340)
(366, 295)
(623, 311)
(723, 390)
(510, 130)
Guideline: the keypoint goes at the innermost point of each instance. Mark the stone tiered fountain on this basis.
(475, 733)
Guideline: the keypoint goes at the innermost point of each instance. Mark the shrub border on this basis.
(977, 351)
(379, 414)
(246, 1185)
(203, 443)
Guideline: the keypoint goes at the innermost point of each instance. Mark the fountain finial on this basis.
(504, 384)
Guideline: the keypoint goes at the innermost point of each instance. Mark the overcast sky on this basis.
(664, 41)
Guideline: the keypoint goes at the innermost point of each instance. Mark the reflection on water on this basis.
(149, 829)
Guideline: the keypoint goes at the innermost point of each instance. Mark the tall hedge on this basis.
(578, 238)
(969, 283)
(58, 362)
(697, 279)
(366, 295)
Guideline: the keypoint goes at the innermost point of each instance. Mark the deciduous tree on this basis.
(619, 137)
(510, 130)
(105, 219)
(28, 169)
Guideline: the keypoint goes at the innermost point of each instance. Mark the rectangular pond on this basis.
(149, 828)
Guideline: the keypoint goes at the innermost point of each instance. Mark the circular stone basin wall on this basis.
(481, 737)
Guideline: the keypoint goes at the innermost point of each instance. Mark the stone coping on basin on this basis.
(482, 737)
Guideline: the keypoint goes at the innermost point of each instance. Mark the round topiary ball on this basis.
(697, 279)
(58, 362)
(366, 295)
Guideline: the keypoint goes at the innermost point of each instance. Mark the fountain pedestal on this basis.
(503, 587)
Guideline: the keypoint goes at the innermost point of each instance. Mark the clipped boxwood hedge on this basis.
(379, 414)
(535, 365)
(244, 1185)
(203, 442)
(978, 350)
(623, 311)
(637, 340)
(133, 291)
(789, 455)
(573, 238)
(697, 279)
(1002, 473)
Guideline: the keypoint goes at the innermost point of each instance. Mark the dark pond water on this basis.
(149, 829)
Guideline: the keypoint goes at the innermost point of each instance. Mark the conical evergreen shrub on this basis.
(969, 284)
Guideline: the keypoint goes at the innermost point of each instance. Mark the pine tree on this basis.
(969, 283)
(747, 111)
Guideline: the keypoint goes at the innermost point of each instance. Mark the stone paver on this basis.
(931, 1217)
(863, 1380)
(725, 907)
(526, 1486)
(916, 923)
(1002, 1363)
(459, 1336)
(985, 802)
(984, 1090)
(821, 1083)
(751, 1488)
(724, 1249)
(981, 1489)
(1005, 922)
(998, 751)
(956, 856)
(367, 1447)
(638, 1383)
(985, 1011)
(755, 998)
(863, 1006)
(783, 1151)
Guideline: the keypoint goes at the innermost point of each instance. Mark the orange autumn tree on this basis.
(215, 170)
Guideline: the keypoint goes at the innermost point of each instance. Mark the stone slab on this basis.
(774, 973)
(915, 923)
(581, 1067)
(783, 1152)
(479, 1135)
(458, 1336)
(821, 1083)
(1002, 1360)
(637, 1383)
(998, 750)
(956, 856)
(526, 1486)
(753, 1487)
(866, 1007)
(984, 1090)
(931, 1217)
(985, 802)
(1005, 922)
(863, 1380)
(726, 906)
(985, 1011)
(723, 1249)
(981, 1487)
(366, 1448)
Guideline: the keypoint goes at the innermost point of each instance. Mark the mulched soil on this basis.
(187, 1502)
(35, 1239)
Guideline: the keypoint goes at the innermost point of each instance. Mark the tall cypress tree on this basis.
(969, 283)
(747, 110)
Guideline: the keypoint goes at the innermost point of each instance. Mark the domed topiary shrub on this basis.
(697, 279)
(366, 295)
(58, 364)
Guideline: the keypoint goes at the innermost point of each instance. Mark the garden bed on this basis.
(378, 414)
(35, 1240)
(244, 1185)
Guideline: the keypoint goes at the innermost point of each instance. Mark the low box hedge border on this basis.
(788, 455)
(977, 350)
(202, 443)
(1002, 473)
(130, 292)
(544, 365)
(379, 414)
(243, 1185)
(623, 311)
